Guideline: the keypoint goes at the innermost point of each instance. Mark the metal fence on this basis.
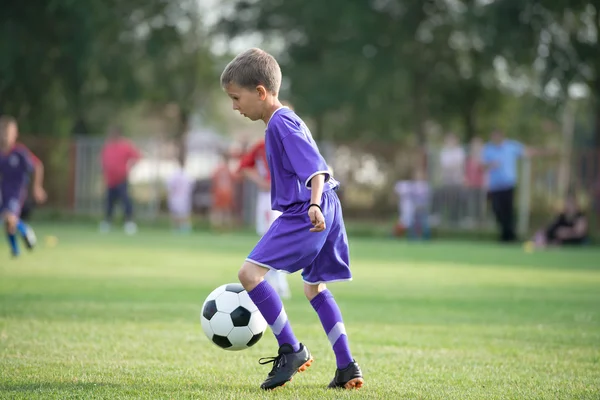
(367, 171)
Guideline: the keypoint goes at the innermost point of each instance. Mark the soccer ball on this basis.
(230, 319)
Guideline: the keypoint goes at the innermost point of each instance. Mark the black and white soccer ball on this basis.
(230, 319)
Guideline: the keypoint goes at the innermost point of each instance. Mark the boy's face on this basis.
(9, 136)
(247, 102)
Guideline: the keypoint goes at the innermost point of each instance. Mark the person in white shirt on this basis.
(179, 198)
(413, 205)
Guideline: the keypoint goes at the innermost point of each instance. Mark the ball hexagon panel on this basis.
(240, 316)
(239, 337)
(257, 323)
(227, 302)
(246, 302)
(221, 324)
(209, 309)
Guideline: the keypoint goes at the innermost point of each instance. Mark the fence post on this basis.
(524, 197)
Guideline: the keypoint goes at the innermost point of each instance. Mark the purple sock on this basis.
(331, 319)
(270, 306)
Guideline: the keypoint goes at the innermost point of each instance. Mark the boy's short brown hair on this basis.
(252, 68)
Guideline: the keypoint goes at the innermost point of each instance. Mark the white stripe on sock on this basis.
(336, 332)
(280, 322)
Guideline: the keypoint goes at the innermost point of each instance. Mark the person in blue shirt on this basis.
(500, 158)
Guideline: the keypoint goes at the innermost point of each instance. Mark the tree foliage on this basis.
(73, 65)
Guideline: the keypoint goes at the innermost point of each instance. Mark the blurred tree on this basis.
(381, 68)
(559, 38)
(361, 67)
(69, 66)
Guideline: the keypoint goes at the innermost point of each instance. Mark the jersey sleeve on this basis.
(302, 152)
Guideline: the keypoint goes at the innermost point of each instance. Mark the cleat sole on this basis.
(355, 383)
(305, 366)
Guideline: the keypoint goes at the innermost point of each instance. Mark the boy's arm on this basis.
(39, 194)
(314, 211)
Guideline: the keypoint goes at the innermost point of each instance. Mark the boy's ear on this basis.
(262, 92)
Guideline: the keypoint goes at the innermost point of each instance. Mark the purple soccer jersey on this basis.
(288, 245)
(293, 159)
(15, 167)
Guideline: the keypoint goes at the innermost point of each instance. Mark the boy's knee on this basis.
(250, 275)
(311, 291)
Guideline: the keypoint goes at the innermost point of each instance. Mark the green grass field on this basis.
(117, 317)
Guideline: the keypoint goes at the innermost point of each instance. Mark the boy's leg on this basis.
(331, 265)
(268, 302)
(27, 234)
(10, 228)
(331, 318)
(348, 374)
(292, 355)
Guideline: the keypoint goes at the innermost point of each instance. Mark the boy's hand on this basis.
(39, 194)
(317, 219)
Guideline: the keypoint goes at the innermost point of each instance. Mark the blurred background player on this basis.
(413, 205)
(222, 191)
(118, 156)
(254, 166)
(16, 165)
(179, 198)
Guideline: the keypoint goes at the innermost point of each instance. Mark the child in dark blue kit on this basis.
(16, 165)
(309, 235)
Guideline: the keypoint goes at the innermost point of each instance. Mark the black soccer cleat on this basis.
(29, 238)
(348, 378)
(285, 365)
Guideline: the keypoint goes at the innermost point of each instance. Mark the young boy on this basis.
(308, 236)
(254, 167)
(16, 164)
(179, 198)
